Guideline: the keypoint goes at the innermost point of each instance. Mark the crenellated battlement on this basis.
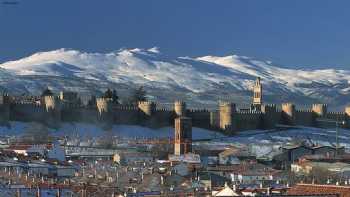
(180, 108)
(319, 109)
(103, 105)
(347, 111)
(303, 111)
(51, 103)
(250, 112)
(163, 110)
(315, 105)
(197, 110)
(148, 107)
(35, 107)
(69, 107)
(336, 113)
(126, 108)
(287, 105)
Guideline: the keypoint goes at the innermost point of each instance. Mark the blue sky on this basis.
(297, 33)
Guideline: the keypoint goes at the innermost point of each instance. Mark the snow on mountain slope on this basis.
(202, 79)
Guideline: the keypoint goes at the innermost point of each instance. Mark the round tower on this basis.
(268, 108)
(147, 107)
(288, 110)
(347, 116)
(103, 105)
(347, 111)
(51, 103)
(180, 108)
(319, 109)
(226, 110)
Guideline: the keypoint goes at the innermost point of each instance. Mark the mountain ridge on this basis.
(202, 80)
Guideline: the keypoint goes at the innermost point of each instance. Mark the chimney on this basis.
(268, 191)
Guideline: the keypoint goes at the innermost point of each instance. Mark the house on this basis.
(305, 167)
(229, 157)
(30, 149)
(247, 172)
(319, 190)
(37, 167)
(132, 157)
(212, 180)
(186, 158)
(209, 160)
(181, 169)
(56, 152)
(63, 171)
(235, 155)
(293, 152)
(92, 154)
(226, 191)
(328, 150)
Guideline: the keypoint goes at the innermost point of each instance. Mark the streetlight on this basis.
(337, 122)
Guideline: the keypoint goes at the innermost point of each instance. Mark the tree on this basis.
(115, 97)
(92, 101)
(36, 133)
(111, 95)
(47, 92)
(138, 95)
(108, 94)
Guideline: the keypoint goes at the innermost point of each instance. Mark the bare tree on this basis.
(36, 133)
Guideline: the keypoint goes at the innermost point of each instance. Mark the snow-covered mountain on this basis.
(198, 80)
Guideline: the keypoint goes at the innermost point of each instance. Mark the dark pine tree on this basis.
(138, 95)
(108, 94)
(47, 92)
(115, 97)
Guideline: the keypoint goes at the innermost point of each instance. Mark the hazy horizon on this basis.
(311, 34)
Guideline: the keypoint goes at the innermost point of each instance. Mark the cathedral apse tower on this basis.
(257, 96)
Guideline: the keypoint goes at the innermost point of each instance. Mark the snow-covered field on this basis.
(92, 130)
(260, 140)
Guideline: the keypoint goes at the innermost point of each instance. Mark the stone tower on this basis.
(183, 135)
(226, 110)
(347, 116)
(257, 93)
(288, 114)
(52, 105)
(103, 105)
(147, 107)
(4, 108)
(180, 108)
(319, 109)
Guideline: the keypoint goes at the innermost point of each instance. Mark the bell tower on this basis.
(257, 94)
(183, 135)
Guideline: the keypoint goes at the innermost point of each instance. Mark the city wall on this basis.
(226, 118)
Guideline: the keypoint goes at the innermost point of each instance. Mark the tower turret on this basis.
(52, 103)
(180, 108)
(147, 107)
(288, 115)
(319, 109)
(347, 116)
(226, 110)
(347, 111)
(4, 108)
(103, 105)
(183, 135)
(257, 93)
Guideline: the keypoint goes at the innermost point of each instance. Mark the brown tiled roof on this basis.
(311, 189)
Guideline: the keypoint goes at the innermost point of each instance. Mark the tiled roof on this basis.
(311, 189)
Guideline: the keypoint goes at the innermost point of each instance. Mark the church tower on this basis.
(183, 135)
(257, 96)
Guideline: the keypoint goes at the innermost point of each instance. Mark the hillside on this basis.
(198, 80)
